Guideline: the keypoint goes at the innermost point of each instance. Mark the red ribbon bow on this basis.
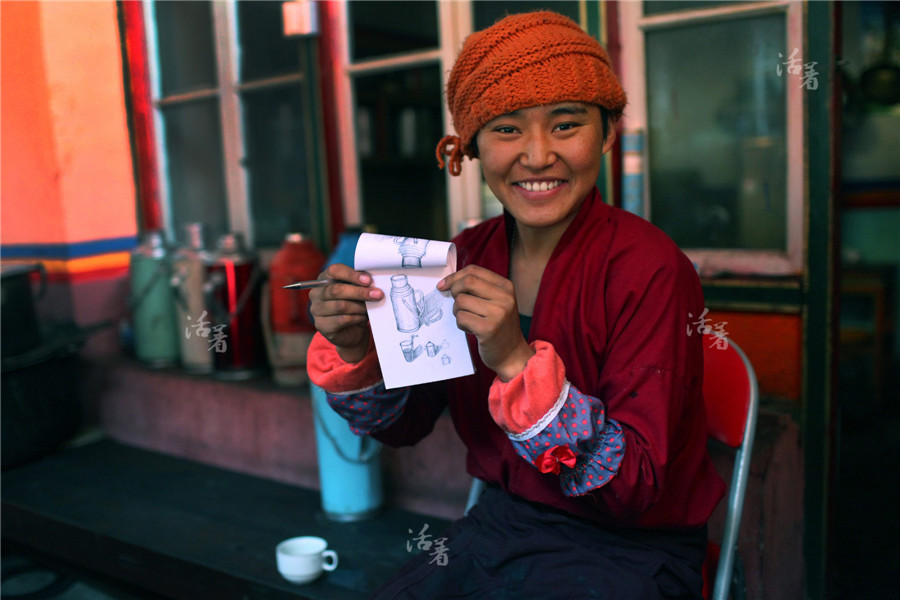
(549, 461)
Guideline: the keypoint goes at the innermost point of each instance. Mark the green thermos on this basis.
(153, 303)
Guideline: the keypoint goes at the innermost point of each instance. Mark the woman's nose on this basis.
(538, 152)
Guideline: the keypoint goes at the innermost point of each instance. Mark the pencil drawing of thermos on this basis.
(407, 304)
(412, 250)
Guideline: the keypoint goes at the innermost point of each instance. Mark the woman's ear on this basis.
(610, 134)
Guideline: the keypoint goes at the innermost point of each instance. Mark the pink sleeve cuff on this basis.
(533, 397)
(327, 370)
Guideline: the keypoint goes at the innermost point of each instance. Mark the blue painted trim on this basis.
(633, 142)
(633, 193)
(69, 251)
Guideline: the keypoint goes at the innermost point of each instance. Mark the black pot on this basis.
(21, 332)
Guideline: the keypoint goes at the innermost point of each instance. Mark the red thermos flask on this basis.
(233, 286)
(289, 327)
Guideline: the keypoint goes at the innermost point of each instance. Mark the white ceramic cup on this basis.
(302, 559)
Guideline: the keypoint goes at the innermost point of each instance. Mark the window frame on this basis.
(230, 104)
(711, 262)
(454, 24)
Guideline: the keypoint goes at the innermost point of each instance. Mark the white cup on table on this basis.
(302, 559)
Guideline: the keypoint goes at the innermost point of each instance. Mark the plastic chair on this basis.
(731, 395)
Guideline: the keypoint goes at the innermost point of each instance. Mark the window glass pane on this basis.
(398, 126)
(488, 12)
(871, 102)
(187, 59)
(658, 7)
(194, 156)
(265, 51)
(716, 114)
(277, 163)
(385, 28)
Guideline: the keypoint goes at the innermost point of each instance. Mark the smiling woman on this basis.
(578, 313)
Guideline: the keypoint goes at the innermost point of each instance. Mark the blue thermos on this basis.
(349, 465)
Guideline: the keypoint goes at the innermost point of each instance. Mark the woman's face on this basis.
(542, 161)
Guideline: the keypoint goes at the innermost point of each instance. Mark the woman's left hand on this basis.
(485, 306)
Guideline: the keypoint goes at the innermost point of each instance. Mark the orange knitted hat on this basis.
(524, 60)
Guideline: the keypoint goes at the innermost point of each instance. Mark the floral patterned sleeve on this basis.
(355, 390)
(556, 427)
(371, 410)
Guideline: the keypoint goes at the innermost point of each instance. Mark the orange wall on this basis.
(29, 172)
(66, 163)
(774, 344)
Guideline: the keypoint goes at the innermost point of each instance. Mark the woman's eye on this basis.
(566, 126)
(505, 129)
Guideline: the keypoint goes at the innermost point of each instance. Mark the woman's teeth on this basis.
(538, 186)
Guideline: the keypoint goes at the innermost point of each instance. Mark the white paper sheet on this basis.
(414, 328)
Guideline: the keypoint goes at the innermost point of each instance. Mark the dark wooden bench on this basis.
(186, 530)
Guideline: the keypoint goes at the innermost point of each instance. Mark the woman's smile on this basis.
(540, 186)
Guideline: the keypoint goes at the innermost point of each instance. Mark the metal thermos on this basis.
(232, 290)
(152, 303)
(189, 274)
(286, 320)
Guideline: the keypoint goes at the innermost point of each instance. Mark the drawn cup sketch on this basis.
(412, 308)
(412, 250)
(431, 307)
(410, 351)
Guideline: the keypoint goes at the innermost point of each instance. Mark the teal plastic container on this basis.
(350, 471)
(349, 465)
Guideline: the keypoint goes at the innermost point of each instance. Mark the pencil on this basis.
(305, 285)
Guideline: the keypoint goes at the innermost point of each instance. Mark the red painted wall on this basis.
(774, 344)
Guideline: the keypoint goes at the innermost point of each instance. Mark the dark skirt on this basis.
(510, 548)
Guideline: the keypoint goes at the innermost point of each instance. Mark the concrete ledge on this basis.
(258, 428)
(252, 428)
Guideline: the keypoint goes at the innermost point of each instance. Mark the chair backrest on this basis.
(731, 395)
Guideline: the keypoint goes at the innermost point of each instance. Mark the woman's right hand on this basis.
(339, 310)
